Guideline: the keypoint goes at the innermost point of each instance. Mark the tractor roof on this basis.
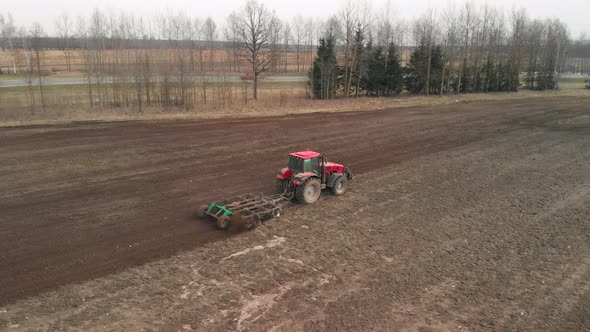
(305, 154)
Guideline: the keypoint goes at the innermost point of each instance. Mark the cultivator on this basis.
(248, 209)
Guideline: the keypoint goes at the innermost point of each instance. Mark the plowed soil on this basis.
(82, 201)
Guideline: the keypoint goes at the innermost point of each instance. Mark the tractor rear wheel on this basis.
(223, 222)
(309, 192)
(282, 185)
(340, 185)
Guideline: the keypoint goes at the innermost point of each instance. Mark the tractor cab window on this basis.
(299, 165)
(296, 164)
(314, 165)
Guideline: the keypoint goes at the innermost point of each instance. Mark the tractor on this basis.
(308, 173)
(304, 179)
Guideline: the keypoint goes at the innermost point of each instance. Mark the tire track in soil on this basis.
(81, 221)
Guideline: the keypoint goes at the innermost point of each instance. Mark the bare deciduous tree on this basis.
(8, 32)
(349, 19)
(451, 43)
(312, 32)
(424, 33)
(232, 36)
(298, 25)
(286, 40)
(466, 18)
(210, 32)
(519, 21)
(385, 25)
(36, 34)
(63, 27)
(29, 67)
(275, 40)
(255, 24)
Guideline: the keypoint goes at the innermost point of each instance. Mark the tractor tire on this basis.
(223, 222)
(200, 212)
(340, 185)
(309, 192)
(281, 185)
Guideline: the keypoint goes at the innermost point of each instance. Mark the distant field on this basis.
(573, 83)
(54, 61)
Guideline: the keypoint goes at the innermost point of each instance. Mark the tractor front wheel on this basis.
(309, 192)
(340, 185)
(223, 222)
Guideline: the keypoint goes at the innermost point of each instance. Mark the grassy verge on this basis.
(301, 106)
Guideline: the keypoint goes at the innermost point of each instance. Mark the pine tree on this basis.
(415, 79)
(376, 84)
(417, 68)
(323, 76)
(359, 66)
(384, 74)
(393, 71)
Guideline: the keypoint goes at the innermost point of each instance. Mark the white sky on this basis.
(575, 13)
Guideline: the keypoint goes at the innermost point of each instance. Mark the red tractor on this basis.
(308, 173)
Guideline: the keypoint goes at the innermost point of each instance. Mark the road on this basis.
(77, 81)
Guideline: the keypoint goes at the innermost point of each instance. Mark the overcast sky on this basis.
(575, 13)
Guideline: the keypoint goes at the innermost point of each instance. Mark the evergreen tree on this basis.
(384, 75)
(323, 74)
(416, 70)
(376, 83)
(359, 66)
(393, 71)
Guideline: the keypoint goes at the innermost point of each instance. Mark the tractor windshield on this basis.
(296, 164)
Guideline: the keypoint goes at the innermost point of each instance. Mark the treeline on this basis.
(459, 50)
(190, 70)
(55, 43)
(165, 30)
(376, 71)
(169, 60)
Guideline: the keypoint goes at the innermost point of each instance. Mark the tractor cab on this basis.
(305, 162)
(308, 173)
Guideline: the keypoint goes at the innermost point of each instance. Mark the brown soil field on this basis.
(472, 216)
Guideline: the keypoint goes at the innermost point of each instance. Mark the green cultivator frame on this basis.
(249, 209)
